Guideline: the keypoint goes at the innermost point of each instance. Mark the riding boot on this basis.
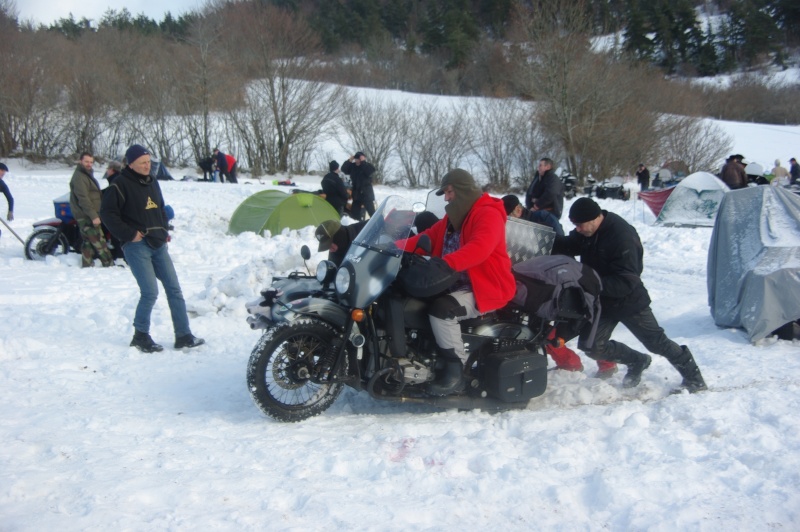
(687, 367)
(451, 378)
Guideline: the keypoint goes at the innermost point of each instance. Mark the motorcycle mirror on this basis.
(305, 252)
(424, 243)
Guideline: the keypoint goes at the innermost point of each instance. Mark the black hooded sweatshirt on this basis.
(133, 202)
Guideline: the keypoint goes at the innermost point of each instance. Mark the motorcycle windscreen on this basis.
(373, 259)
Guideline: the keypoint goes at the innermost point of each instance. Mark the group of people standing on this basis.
(132, 208)
(357, 199)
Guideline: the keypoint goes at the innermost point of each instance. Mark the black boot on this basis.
(144, 343)
(188, 340)
(692, 378)
(635, 368)
(451, 378)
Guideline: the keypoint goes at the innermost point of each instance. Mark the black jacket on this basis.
(133, 202)
(546, 192)
(643, 178)
(335, 191)
(615, 252)
(361, 178)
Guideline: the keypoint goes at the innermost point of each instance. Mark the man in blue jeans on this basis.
(133, 210)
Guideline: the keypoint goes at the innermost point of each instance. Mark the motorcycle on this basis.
(570, 185)
(53, 236)
(365, 325)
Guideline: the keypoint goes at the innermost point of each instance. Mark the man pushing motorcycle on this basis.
(471, 239)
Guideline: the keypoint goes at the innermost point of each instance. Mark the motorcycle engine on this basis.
(414, 372)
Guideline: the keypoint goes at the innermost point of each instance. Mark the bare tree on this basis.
(698, 142)
(501, 136)
(432, 141)
(370, 125)
(590, 102)
(207, 83)
(277, 50)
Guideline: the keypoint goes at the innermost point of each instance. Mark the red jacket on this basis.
(482, 253)
(231, 161)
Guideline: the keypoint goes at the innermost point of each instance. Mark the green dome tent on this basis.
(274, 211)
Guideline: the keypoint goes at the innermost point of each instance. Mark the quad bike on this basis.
(365, 325)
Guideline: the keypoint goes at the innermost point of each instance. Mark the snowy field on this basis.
(98, 436)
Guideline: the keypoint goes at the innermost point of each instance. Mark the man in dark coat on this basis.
(611, 246)
(360, 172)
(133, 210)
(733, 173)
(545, 194)
(643, 177)
(334, 189)
(794, 172)
(222, 164)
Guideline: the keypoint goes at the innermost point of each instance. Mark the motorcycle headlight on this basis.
(326, 271)
(343, 281)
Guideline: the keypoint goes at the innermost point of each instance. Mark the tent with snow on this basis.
(273, 210)
(159, 171)
(693, 202)
(753, 270)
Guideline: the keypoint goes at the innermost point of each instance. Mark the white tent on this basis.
(694, 201)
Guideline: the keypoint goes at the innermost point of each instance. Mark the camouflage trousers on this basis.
(93, 242)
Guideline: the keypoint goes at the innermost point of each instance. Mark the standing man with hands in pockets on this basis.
(133, 210)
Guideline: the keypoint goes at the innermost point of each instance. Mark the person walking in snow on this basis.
(133, 210)
(611, 246)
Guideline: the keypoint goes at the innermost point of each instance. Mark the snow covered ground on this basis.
(98, 436)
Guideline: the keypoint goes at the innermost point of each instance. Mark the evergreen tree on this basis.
(636, 42)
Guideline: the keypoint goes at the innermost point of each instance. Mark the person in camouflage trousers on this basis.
(84, 201)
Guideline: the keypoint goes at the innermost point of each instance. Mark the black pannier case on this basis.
(515, 376)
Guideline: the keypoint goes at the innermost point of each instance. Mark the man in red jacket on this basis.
(471, 239)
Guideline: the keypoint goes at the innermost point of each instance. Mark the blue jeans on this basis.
(547, 218)
(148, 265)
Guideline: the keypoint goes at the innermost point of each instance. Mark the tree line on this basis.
(259, 79)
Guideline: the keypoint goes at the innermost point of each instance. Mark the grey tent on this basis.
(754, 261)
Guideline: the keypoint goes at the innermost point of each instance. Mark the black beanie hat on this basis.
(333, 165)
(134, 152)
(510, 202)
(584, 210)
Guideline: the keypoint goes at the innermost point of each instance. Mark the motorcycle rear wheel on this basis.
(280, 370)
(37, 243)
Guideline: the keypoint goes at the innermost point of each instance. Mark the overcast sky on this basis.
(49, 11)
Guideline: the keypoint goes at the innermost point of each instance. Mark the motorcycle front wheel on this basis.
(281, 370)
(41, 243)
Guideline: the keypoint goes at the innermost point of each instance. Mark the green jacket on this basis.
(84, 195)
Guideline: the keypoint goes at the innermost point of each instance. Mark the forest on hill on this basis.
(595, 78)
